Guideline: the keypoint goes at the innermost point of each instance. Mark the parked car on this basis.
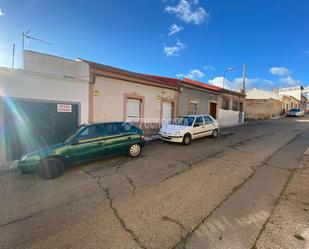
(186, 128)
(88, 143)
(295, 112)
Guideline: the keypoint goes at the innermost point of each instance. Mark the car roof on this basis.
(100, 123)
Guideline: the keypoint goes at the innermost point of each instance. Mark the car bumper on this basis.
(28, 166)
(169, 138)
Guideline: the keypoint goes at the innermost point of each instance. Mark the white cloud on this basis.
(1, 13)
(218, 81)
(211, 68)
(289, 81)
(193, 74)
(174, 29)
(184, 11)
(280, 71)
(174, 50)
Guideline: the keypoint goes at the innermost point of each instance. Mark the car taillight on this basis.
(142, 137)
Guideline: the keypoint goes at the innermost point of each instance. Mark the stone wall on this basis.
(263, 108)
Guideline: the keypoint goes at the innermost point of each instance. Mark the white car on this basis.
(187, 128)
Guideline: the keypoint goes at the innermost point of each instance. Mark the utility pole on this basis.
(244, 79)
(13, 56)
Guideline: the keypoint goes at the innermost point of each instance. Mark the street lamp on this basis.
(227, 70)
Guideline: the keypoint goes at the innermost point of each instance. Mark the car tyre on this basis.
(50, 168)
(134, 150)
(215, 133)
(186, 139)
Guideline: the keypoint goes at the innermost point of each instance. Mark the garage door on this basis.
(133, 110)
(32, 125)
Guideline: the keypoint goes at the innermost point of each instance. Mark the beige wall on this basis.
(263, 108)
(109, 105)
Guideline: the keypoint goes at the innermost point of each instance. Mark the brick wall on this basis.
(263, 108)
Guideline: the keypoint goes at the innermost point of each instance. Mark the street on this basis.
(240, 190)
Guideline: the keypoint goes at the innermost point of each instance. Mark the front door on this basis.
(166, 113)
(199, 127)
(213, 110)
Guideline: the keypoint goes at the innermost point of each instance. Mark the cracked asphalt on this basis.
(215, 193)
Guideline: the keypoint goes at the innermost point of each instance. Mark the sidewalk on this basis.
(288, 226)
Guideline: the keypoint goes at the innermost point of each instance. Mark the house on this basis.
(225, 105)
(298, 92)
(41, 103)
(289, 102)
(120, 95)
(232, 106)
(198, 98)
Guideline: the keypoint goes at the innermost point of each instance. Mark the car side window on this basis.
(113, 129)
(89, 132)
(199, 121)
(208, 120)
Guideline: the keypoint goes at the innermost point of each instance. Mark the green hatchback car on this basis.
(90, 142)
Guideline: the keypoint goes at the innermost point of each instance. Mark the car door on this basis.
(117, 138)
(209, 125)
(88, 145)
(198, 127)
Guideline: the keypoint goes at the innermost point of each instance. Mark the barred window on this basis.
(235, 105)
(193, 107)
(225, 103)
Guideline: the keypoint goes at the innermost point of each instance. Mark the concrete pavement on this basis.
(215, 193)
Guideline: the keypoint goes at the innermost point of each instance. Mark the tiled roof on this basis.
(203, 85)
(212, 87)
(123, 72)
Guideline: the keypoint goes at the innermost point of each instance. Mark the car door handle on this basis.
(129, 137)
(100, 143)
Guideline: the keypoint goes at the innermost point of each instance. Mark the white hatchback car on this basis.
(189, 127)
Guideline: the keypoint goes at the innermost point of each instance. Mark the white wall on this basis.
(54, 65)
(228, 117)
(291, 91)
(29, 85)
(261, 94)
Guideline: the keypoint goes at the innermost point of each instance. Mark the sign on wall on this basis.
(64, 108)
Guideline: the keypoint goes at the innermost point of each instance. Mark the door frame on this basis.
(172, 102)
(134, 95)
(214, 102)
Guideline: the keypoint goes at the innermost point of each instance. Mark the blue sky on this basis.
(192, 38)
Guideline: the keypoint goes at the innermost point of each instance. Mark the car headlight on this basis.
(24, 158)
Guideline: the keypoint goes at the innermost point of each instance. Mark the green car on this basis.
(88, 143)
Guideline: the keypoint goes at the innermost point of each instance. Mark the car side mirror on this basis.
(196, 125)
(75, 142)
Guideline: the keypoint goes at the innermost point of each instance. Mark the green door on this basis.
(87, 146)
(118, 137)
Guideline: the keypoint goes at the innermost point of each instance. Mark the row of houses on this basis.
(51, 96)
(262, 104)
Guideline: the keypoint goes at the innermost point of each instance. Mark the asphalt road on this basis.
(215, 193)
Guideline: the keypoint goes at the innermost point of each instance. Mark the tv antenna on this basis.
(25, 35)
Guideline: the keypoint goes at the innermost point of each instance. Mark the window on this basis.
(133, 110)
(185, 121)
(90, 132)
(225, 103)
(208, 120)
(193, 107)
(235, 105)
(115, 129)
(199, 121)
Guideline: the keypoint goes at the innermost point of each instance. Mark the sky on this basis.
(198, 39)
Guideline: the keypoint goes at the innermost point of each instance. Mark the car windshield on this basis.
(294, 110)
(184, 121)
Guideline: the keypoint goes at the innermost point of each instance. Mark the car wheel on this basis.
(186, 139)
(50, 168)
(215, 133)
(134, 150)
